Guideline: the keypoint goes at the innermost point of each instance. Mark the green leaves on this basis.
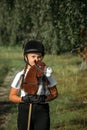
(56, 23)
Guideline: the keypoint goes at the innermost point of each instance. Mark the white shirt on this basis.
(16, 84)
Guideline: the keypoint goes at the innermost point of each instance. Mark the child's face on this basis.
(32, 57)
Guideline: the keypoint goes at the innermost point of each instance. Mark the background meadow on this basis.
(61, 25)
(68, 111)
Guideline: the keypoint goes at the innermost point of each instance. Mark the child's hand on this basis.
(33, 98)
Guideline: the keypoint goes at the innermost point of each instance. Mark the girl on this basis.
(33, 92)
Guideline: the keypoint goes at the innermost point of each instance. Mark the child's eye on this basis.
(33, 56)
(39, 57)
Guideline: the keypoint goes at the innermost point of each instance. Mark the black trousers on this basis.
(40, 119)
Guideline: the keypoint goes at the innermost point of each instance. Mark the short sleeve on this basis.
(16, 81)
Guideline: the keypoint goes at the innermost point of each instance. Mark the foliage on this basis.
(56, 23)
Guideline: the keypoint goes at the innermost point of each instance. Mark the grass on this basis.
(68, 111)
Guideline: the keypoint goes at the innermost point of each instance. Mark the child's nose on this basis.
(36, 59)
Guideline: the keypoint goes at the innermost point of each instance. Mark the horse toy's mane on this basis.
(30, 82)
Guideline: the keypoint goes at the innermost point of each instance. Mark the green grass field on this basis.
(69, 110)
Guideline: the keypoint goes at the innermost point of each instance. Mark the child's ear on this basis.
(25, 58)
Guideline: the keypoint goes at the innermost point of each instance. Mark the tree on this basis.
(57, 23)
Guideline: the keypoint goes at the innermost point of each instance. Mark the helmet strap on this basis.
(27, 60)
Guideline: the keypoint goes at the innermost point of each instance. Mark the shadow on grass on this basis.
(5, 109)
(76, 106)
(3, 73)
(5, 106)
(78, 117)
(82, 122)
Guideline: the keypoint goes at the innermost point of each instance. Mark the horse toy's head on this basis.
(40, 67)
(36, 71)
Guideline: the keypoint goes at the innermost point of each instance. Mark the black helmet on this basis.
(34, 46)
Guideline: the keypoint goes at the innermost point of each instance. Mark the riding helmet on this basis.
(33, 46)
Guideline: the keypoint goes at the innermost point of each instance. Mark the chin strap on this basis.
(27, 61)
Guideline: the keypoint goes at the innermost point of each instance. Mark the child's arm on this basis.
(13, 96)
(53, 94)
